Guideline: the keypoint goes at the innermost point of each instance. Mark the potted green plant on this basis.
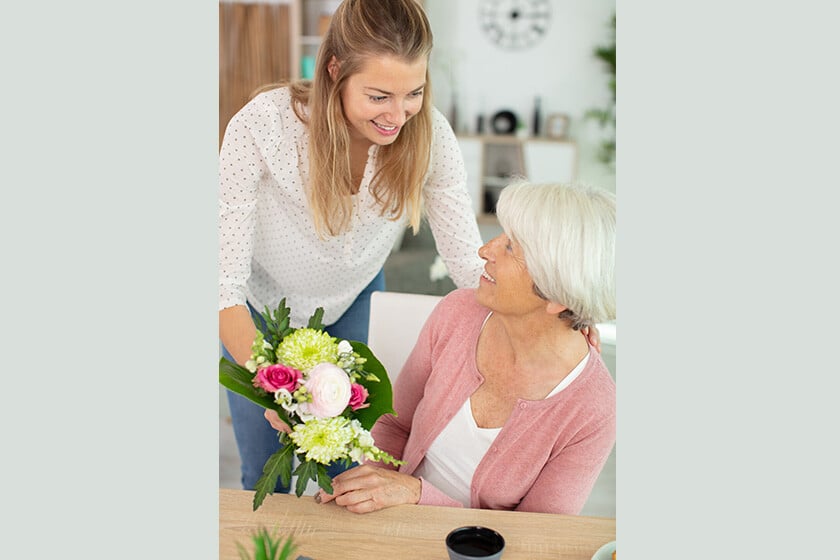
(606, 116)
(268, 547)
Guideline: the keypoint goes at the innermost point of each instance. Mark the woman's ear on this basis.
(553, 308)
(332, 67)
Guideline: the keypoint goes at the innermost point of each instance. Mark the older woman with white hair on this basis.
(503, 403)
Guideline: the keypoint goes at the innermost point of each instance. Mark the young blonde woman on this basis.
(319, 178)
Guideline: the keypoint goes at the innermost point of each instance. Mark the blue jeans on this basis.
(255, 438)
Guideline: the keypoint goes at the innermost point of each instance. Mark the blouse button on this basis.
(522, 405)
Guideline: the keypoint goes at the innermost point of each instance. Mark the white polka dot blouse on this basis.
(268, 247)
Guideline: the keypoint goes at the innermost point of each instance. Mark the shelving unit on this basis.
(309, 22)
(492, 161)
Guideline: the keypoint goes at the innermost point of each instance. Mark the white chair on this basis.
(395, 322)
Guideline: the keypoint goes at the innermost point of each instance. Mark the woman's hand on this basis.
(274, 419)
(366, 488)
(594, 337)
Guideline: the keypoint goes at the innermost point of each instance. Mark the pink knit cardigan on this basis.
(548, 454)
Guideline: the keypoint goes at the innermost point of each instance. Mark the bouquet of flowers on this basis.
(329, 392)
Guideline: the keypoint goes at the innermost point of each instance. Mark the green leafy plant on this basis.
(606, 116)
(330, 393)
(268, 547)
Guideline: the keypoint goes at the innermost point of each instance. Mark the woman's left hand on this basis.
(366, 488)
(274, 419)
(594, 337)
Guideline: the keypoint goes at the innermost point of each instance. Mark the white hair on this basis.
(567, 234)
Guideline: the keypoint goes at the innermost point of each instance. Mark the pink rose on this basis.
(275, 377)
(330, 389)
(358, 396)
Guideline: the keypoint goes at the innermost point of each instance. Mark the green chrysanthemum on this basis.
(324, 440)
(306, 348)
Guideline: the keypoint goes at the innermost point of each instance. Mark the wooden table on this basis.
(407, 532)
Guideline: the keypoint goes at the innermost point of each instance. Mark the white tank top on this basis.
(454, 455)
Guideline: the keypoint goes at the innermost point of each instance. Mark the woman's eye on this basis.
(378, 98)
(508, 247)
(417, 93)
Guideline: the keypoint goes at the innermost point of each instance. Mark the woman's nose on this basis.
(397, 113)
(485, 251)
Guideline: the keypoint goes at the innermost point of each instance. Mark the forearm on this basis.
(237, 332)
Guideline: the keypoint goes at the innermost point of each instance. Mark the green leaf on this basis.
(306, 471)
(324, 480)
(315, 320)
(277, 327)
(380, 393)
(262, 548)
(288, 548)
(278, 465)
(606, 117)
(267, 547)
(240, 381)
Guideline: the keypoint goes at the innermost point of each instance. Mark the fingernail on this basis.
(318, 498)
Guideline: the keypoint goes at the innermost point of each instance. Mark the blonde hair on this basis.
(359, 30)
(567, 234)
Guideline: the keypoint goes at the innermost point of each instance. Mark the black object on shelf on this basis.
(504, 122)
(535, 125)
(489, 203)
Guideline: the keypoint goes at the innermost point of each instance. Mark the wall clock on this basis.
(514, 24)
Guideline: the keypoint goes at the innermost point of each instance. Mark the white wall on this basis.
(561, 68)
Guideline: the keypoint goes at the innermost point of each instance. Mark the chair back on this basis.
(395, 322)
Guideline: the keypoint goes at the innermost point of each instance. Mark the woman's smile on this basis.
(386, 130)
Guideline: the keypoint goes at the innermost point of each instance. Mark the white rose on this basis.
(330, 389)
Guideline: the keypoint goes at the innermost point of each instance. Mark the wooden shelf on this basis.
(493, 161)
(310, 40)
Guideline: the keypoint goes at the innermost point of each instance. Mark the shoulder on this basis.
(441, 129)
(462, 297)
(438, 119)
(458, 308)
(274, 102)
(454, 323)
(269, 115)
(445, 146)
(594, 391)
(597, 370)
